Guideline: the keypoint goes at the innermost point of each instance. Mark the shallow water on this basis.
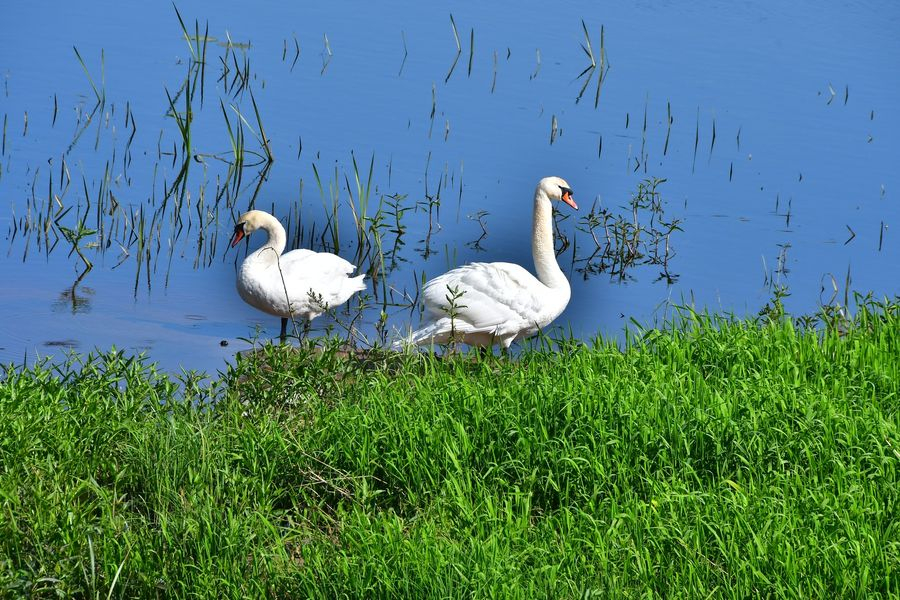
(797, 188)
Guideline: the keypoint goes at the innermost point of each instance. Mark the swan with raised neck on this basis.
(482, 304)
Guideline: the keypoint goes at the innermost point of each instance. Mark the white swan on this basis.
(300, 284)
(500, 302)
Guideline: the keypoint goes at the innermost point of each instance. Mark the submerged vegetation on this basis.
(714, 456)
(208, 158)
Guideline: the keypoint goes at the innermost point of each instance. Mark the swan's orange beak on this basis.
(238, 234)
(568, 199)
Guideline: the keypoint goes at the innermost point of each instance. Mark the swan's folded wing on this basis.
(321, 265)
(295, 256)
(489, 295)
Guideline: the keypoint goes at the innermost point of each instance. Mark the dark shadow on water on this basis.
(62, 344)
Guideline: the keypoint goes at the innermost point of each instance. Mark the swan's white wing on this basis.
(325, 274)
(317, 269)
(315, 264)
(491, 295)
(295, 256)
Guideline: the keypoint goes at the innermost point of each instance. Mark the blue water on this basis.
(802, 97)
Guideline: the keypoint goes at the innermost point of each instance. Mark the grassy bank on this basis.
(718, 457)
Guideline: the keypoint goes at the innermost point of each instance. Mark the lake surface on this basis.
(774, 127)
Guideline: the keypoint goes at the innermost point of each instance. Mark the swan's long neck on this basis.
(545, 264)
(276, 241)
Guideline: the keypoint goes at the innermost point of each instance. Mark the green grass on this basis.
(715, 458)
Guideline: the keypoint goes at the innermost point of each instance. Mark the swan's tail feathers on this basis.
(433, 334)
(445, 331)
(349, 286)
(402, 343)
(417, 337)
(355, 284)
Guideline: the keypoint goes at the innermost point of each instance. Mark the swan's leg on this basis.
(283, 335)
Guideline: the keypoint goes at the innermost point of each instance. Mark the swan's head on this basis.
(248, 223)
(556, 188)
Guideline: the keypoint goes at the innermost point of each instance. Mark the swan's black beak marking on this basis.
(238, 234)
(568, 197)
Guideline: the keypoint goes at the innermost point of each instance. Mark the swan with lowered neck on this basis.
(299, 284)
(482, 304)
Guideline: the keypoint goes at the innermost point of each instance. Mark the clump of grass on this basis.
(603, 65)
(625, 241)
(332, 226)
(74, 237)
(458, 50)
(715, 457)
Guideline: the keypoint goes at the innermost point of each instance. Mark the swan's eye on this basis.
(239, 227)
(566, 191)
